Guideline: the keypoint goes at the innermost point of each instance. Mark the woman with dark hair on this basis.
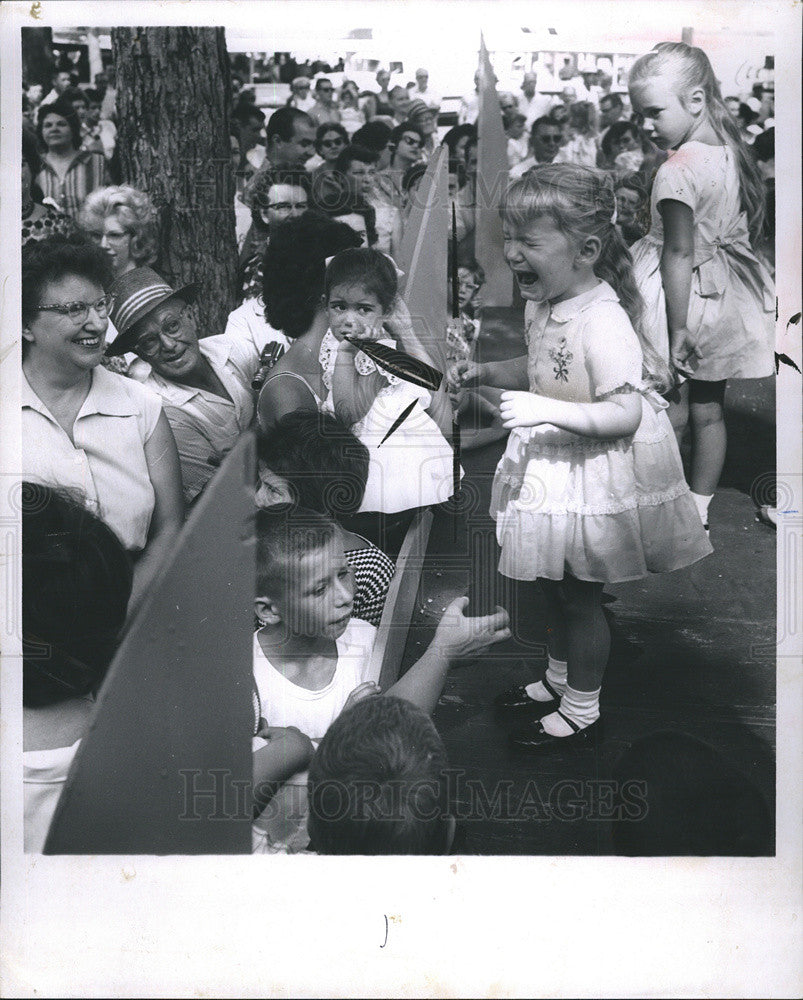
(294, 266)
(38, 219)
(68, 172)
(76, 585)
(457, 139)
(84, 427)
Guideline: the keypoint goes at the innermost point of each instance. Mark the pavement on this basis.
(692, 651)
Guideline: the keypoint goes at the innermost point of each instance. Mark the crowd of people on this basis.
(635, 227)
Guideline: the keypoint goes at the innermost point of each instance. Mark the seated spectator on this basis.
(276, 195)
(311, 656)
(330, 139)
(337, 200)
(38, 219)
(300, 96)
(457, 139)
(375, 135)
(204, 385)
(399, 100)
(517, 142)
(546, 137)
(423, 117)
(686, 799)
(313, 460)
(250, 122)
(406, 148)
(351, 117)
(378, 783)
(90, 137)
(84, 427)
(124, 222)
(324, 110)
(582, 145)
(68, 172)
(423, 92)
(76, 586)
(358, 165)
(622, 147)
(632, 209)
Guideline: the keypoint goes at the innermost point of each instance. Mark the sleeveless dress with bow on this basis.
(732, 301)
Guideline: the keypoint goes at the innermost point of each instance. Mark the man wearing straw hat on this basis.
(205, 385)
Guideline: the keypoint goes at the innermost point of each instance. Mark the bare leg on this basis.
(709, 437)
(589, 638)
(555, 620)
(678, 412)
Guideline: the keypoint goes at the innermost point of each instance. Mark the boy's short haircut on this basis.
(377, 783)
(324, 462)
(282, 123)
(285, 536)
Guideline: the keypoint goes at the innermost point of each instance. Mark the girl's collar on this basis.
(563, 311)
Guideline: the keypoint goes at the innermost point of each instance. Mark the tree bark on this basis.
(173, 99)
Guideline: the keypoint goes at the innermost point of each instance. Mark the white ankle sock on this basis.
(701, 503)
(556, 673)
(582, 707)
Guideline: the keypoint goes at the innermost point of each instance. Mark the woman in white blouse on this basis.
(86, 428)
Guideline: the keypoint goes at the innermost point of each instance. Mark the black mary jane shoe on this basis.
(516, 699)
(536, 739)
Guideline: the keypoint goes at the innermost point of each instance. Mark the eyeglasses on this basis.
(150, 344)
(325, 90)
(413, 141)
(78, 312)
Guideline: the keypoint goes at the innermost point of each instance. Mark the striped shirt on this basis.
(86, 173)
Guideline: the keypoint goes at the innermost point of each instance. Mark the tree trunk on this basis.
(37, 57)
(173, 99)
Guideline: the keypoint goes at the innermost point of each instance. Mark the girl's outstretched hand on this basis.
(524, 409)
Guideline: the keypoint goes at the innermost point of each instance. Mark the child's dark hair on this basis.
(76, 583)
(687, 799)
(617, 131)
(284, 537)
(294, 265)
(581, 202)
(324, 463)
(689, 67)
(369, 268)
(377, 783)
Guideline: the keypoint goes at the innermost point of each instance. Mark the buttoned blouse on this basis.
(86, 173)
(583, 348)
(106, 463)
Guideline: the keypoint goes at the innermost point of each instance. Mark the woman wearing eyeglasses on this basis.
(83, 427)
(124, 222)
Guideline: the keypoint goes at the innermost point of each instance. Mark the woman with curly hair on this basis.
(68, 172)
(124, 222)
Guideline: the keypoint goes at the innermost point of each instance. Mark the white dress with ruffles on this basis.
(413, 467)
(732, 301)
(600, 510)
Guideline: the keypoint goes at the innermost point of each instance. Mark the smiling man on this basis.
(205, 385)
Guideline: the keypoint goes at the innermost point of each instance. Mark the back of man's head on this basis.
(377, 783)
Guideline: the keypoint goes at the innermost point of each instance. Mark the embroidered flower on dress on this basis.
(562, 358)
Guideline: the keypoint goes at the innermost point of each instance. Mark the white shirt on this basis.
(43, 777)
(432, 99)
(107, 462)
(534, 107)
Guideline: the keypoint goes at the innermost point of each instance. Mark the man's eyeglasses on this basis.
(150, 344)
(78, 312)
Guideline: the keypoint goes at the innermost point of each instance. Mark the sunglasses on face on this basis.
(412, 141)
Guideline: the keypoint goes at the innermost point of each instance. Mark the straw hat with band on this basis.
(137, 293)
